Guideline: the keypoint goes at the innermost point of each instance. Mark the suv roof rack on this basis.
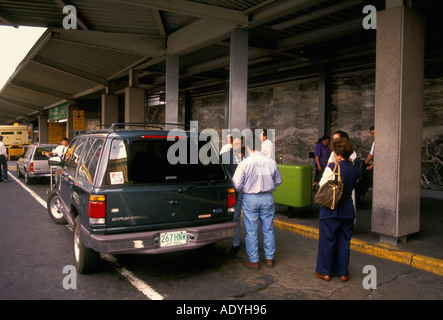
(117, 125)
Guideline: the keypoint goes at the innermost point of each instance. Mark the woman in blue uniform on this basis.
(336, 225)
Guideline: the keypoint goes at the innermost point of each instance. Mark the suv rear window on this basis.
(138, 161)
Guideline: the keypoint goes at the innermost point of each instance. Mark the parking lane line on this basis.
(32, 193)
(140, 285)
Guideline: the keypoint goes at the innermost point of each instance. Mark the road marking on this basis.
(142, 286)
(32, 193)
(136, 282)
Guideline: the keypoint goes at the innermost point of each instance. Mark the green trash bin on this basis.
(295, 190)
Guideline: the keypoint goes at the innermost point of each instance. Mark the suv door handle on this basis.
(171, 202)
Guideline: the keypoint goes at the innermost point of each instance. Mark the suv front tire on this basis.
(54, 210)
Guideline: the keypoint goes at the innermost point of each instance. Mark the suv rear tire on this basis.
(86, 259)
(53, 209)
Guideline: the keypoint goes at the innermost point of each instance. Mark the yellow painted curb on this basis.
(303, 230)
(383, 251)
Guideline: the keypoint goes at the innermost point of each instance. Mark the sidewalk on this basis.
(423, 250)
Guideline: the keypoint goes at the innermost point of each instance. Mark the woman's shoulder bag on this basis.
(330, 192)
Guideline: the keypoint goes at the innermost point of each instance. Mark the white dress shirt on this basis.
(3, 149)
(257, 174)
(267, 148)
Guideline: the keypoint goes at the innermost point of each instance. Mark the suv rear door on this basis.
(67, 172)
(145, 191)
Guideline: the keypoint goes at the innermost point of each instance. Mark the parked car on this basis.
(34, 162)
(120, 194)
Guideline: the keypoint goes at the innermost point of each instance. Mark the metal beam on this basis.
(140, 44)
(279, 9)
(194, 9)
(159, 22)
(317, 14)
(20, 103)
(12, 113)
(41, 89)
(327, 32)
(67, 69)
(5, 20)
(185, 40)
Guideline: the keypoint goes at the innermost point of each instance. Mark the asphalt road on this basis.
(36, 264)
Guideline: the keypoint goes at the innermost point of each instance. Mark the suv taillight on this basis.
(231, 200)
(97, 209)
(31, 167)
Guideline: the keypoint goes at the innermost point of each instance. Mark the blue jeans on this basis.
(259, 206)
(237, 218)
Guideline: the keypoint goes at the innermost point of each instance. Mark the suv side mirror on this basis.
(54, 161)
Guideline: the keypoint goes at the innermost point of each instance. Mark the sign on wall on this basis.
(59, 113)
(79, 120)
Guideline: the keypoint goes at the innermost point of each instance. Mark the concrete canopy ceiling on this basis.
(287, 38)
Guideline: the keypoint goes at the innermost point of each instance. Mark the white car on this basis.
(34, 163)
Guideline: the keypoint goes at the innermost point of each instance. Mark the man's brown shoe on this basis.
(345, 278)
(269, 263)
(251, 265)
(322, 276)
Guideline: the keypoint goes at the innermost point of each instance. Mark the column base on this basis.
(392, 240)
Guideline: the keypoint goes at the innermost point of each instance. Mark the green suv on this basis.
(140, 191)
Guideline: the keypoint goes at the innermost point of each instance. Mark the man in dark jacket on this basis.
(231, 159)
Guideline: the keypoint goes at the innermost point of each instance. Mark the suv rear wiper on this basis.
(208, 182)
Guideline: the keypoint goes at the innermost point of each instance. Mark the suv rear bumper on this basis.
(149, 242)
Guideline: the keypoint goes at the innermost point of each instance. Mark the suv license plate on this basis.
(176, 238)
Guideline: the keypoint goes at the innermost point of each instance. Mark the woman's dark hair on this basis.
(325, 137)
(343, 147)
(342, 134)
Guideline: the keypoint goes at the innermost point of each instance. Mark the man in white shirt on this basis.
(267, 147)
(3, 161)
(227, 146)
(370, 156)
(257, 177)
(60, 150)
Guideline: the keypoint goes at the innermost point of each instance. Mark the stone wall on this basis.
(292, 110)
(432, 150)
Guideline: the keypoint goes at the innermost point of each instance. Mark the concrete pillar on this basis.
(109, 109)
(238, 79)
(398, 122)
(134, 104)
(172, 86)
(43, 135)
(70, 133)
